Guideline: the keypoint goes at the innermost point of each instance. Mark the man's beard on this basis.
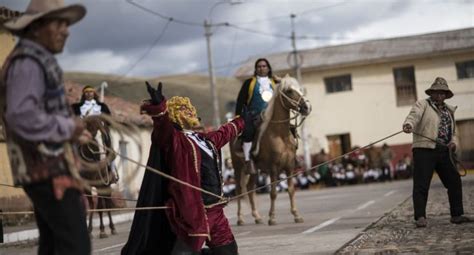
(190, 123)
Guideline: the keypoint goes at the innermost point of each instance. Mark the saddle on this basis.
(237, 144)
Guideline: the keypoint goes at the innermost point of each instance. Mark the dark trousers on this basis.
(62, 224)
(222, 240)
(425, 161)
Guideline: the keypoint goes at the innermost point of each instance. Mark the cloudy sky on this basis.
(137, 38)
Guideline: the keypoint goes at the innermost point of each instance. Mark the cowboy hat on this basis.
(440, 84)
(46, 9)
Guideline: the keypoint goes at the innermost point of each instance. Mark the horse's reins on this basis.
(294, 103)
(452, 155)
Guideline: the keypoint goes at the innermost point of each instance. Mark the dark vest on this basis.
(33, 162)
(211, 177)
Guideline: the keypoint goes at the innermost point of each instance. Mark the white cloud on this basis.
(183, 48)
(423, 17)
(102, 61)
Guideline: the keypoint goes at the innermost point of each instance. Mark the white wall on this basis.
(131, 174)
(369, 111)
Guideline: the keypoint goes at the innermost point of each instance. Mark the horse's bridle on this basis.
(293, 103)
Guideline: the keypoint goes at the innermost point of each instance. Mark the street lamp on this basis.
(212, 80)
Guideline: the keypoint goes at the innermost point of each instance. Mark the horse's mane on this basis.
(286, 83)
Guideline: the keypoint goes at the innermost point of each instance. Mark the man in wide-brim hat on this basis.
(440, 86)
(40, 127)
(434, 141)
(43, 9)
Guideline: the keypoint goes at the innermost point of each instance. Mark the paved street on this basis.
(396, 232)
(333, 217)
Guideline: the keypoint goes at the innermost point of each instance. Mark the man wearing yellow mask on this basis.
(195, 158)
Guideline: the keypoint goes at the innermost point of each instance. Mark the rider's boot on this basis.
(249, 165)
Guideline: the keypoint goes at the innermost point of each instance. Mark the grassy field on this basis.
(194, 86)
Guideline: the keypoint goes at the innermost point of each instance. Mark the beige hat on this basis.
(46, 9)
(440, 84)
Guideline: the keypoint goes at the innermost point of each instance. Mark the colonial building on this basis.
(362, 92)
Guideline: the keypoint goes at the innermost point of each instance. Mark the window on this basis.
(338, 83)
(465, 69)
(405, 85)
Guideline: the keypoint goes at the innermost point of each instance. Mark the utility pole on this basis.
(212, 79)
(297, 67)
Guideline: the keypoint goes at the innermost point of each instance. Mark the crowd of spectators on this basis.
(362, 166)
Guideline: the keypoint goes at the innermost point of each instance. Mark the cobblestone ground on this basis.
(396, 233)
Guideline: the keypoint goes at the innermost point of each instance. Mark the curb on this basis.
(358, 236)
(33, 234)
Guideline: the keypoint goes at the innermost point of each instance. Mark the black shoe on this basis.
(421, 222)
(460, 219)
(228, 249)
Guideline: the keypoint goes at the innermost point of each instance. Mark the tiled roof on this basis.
(122, 110)
(6, 14)
(369, 52)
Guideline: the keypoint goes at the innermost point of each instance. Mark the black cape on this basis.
(150, 232)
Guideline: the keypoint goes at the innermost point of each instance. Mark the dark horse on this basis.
(97, 171)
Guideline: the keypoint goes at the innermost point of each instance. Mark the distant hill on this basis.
(194, 86)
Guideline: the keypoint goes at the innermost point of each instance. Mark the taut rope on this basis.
(316, 166)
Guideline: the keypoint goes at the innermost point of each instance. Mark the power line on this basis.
(286, 16)
(169, 18)
(249, 30)
(321, 8)
(155, 42)
(274, 35)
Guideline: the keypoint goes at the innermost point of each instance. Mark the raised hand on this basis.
(156, 95)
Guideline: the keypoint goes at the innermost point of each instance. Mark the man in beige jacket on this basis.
(433, 125)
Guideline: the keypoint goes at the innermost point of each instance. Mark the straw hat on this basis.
(46, 9)
(440, 84)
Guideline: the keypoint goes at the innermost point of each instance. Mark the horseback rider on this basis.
(89, 104)
(254, 95)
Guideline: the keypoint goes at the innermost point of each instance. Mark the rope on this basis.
(316, 166)
(224, 200)
(8, 185)
(118, 198)
(452, 154)
(98, 196)
(154, 170)
(99, 210)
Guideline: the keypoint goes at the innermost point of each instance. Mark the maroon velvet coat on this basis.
(187, 215)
